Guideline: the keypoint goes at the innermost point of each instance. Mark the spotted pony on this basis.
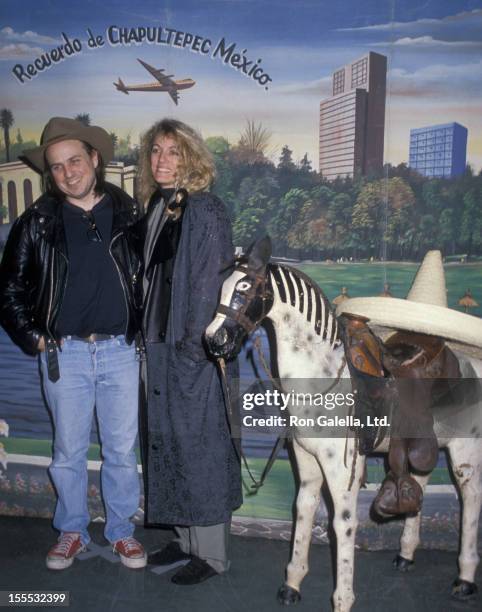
(307, 345)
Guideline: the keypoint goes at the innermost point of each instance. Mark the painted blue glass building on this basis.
(439, 150)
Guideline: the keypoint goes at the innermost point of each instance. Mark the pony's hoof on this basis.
(401, 564)
(287, 596)
(462, 590)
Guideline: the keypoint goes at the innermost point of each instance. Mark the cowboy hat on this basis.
(63, 128)
(424, 310)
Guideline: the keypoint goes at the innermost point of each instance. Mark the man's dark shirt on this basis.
(94, 300)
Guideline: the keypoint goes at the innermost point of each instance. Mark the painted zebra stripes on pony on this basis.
(299, 290)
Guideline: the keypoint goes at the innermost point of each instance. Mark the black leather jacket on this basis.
(35, 264)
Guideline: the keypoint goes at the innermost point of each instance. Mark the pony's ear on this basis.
(259, 253)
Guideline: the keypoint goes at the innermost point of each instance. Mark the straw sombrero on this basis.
(424, 310)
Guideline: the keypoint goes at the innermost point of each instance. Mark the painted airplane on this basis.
(165, 83)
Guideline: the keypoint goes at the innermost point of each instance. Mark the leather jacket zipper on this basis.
(121, 279)
(65, 282)
(51, 296)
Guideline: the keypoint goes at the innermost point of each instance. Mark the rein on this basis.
(256, 484)
(249, 326)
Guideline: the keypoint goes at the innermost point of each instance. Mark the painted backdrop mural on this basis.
(351, 133)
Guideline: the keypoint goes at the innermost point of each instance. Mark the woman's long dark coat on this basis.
(191, 469)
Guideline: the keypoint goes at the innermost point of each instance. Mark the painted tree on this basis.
(311, 232)
(254, 202)
(471, 224)
(248, 226)
(218, 145)
(286, 159)
(455, 191)
(287, 171)
(83, 118)
(434, 196)
(305, 164)
(400, 216)
(381, 215)
(253, 144)
(126, 152)
(223, 183)
(6, 122)
(257, 193)
(114, 138)
(447, 231)
(298, 234)
(338, 216)
(285, 215)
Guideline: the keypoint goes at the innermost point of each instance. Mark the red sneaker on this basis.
(62, 554)
(131, 552)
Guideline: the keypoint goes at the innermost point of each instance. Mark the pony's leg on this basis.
(345, 518)
(309, 494)
(466, 458)
(411, 534)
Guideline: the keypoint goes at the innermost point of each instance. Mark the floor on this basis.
(98, 581)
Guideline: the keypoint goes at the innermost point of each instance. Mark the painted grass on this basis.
(274, 500)
(43, 448)
(366, 279)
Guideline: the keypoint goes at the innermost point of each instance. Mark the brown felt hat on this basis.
(63, 128)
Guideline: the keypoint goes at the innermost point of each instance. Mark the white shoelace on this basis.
(129, 544)
(65, 542)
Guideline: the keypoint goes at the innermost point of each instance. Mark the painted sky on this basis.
(433, 49)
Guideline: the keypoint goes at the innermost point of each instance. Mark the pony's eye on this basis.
(243, 286)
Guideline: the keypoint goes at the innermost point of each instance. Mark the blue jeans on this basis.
(103, 375)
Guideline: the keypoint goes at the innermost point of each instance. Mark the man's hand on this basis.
(41, 344)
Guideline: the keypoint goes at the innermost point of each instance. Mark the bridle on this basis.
(261, 288)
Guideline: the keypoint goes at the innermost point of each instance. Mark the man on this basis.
(68, 291)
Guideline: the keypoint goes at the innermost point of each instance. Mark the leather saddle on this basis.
(401, 377)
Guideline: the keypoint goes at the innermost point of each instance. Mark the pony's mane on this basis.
(313, 309)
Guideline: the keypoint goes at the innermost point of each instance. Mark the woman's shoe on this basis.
(196, 571)
(168, 555)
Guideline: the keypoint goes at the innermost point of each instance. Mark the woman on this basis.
(191, 469)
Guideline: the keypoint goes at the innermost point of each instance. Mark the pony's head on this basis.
(246, 298)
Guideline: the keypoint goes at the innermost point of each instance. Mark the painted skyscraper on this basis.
(352, 121)
(439, 150)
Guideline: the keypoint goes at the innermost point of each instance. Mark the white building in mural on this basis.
(20, 186)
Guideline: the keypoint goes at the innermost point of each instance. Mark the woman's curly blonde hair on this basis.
(196, 169)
